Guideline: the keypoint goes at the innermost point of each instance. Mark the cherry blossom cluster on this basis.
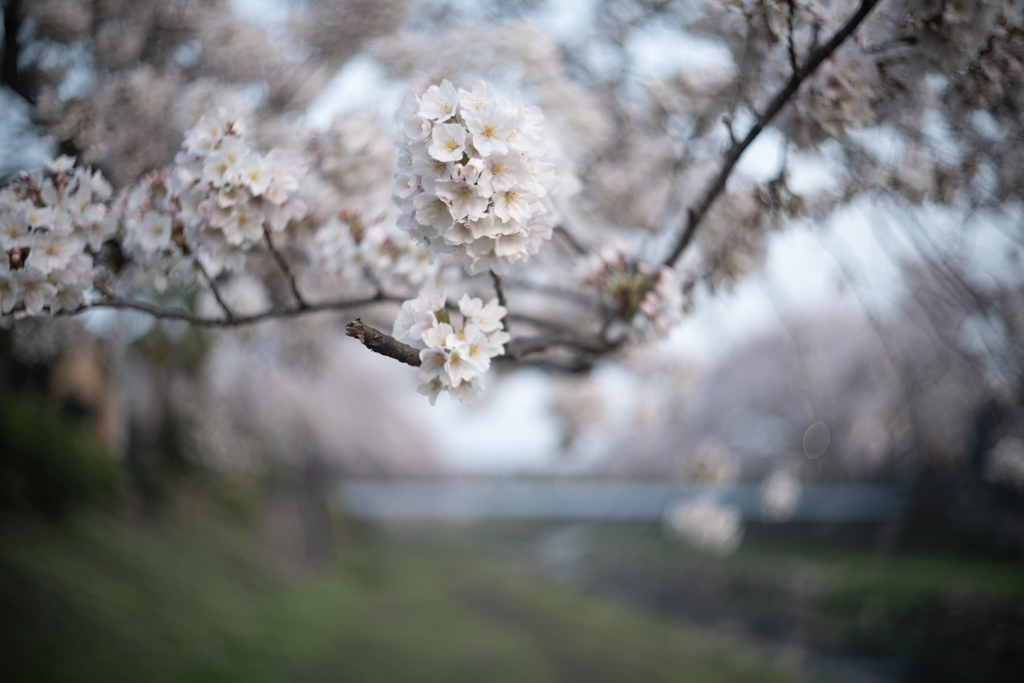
(151, 237)
(706, 524)
(471, 179)
(227, 192)
(370, 251)
(452, 357)
(52, 222)
(651, 297)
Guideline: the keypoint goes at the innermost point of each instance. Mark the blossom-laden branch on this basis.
(696, 215)
(515, 350)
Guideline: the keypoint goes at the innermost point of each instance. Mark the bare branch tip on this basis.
(356, 329)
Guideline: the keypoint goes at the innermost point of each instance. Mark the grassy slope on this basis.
(103, 600)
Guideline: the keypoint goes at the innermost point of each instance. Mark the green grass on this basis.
(859, 602)
(99, 599)
(909, 577)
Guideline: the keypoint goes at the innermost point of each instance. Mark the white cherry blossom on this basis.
(479, 191)
(438, 103)
(490, 127)
(448, 142)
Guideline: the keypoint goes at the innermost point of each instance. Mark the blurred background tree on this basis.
(836, 186)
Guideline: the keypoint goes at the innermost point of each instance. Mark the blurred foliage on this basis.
(937, 614)
(175, 343)
(49, 463)
(106, 600)
(186, 350)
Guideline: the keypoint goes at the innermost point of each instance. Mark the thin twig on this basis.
(209, 280)
(237, 321)
(570, 240)
(381, 343)
(524, 346)
(283, 265)
(696, 215)
(727, 120)
(501, 298)
(216, 291)
(792, 50)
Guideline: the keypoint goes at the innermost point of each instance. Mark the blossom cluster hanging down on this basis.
(471, 181)
(229, 192)
(452, 356)
(51, 224)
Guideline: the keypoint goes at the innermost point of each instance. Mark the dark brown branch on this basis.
(696, 215)
(381, 343)
(285, 268)
(727, 120)
(792, 50)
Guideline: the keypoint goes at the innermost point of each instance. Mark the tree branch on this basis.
(381, 343)
(237, 321)
(501, 298)
(792, 50)
(386, 345)
(696, 215)
(283, 265)
(216, 290)
(524, 346)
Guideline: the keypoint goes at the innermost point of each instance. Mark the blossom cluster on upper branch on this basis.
(472, 180)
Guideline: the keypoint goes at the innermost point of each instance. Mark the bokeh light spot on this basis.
(816, 440)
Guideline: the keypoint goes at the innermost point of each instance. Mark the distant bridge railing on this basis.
(507, 500)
